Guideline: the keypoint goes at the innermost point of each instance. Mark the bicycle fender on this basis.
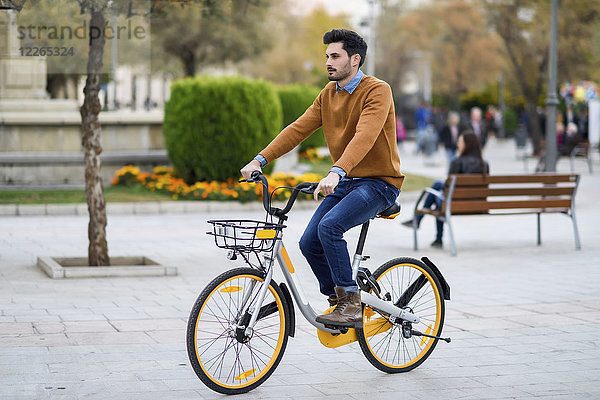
(436, 271)
(290, 303)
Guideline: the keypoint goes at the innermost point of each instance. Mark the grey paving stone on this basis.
(287, 391)
(523, 319)
(171, 207)
(16, 328)
(495, 393)
(119, 208)
(82, 209)
(149, 207)
(88, 326)
(8, 209)
(31, 209)
(150, 324)
(58, 339)
(109, 337)
(61, 209)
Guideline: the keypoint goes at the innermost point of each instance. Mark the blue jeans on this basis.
(450, 155)
(430, 200)
(354, 202)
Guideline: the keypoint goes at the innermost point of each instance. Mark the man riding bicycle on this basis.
(358, 119)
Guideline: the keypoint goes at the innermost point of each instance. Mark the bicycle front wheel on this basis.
(411, 285)
(223, 358)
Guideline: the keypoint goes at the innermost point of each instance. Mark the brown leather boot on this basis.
(333, 300)
(348, 311)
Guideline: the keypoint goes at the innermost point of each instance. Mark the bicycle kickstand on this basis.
(407, 332)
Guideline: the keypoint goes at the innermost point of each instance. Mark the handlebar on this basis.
(304, 187)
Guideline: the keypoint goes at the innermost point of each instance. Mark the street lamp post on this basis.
(501, 106)
(370, 61)
(551, 98)
(114, 46)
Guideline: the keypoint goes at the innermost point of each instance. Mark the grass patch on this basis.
(411, 182)
(416, 182)
(112, 194)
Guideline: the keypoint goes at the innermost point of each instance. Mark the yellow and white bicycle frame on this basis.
(325, 334)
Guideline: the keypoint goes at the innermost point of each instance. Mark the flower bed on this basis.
(164, 179)
(312, 155)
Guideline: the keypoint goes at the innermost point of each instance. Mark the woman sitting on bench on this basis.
(469, 161)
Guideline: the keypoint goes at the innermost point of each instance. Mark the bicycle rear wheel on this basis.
(414, 286)
(221, 356)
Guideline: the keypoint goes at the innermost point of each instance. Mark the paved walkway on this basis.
(525, 320)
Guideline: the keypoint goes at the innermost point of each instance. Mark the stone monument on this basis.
(40, 138)
(20, 77)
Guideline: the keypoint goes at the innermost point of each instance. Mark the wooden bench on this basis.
(472, 194)
(581, 150)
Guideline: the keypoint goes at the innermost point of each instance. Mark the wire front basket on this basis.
(245, 235)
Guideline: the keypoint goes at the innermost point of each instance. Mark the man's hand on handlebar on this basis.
(252, 166)
(255, 175)
(327, 185)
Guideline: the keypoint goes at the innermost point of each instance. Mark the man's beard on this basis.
(340, 75)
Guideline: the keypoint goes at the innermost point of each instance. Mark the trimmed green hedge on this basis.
(511, 121)
(295, 99)
(214, 126)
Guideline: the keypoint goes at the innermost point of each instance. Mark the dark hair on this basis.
(473, 148)
(351, 42)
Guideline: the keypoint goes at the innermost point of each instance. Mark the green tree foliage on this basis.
(214, 126)
(98, 12)
(463, 53)
(295, 99)
(211, 32)
(296, 53)
(524, 25)
(61, 28)
(50, 24)
(511, 121)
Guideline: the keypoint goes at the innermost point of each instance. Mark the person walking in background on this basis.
(490, 121)
(541, 119)
(438, 118)
(560, 142)
(477, 126)
(449, 135)
(400, 132)
(570, 116)
(469, 161)
(423, 120)
(583, 124)
(571, 138)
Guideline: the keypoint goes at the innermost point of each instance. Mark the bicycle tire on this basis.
(382, 342)
(222, 362)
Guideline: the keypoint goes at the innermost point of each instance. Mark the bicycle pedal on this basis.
(344, 328)
(366, 282)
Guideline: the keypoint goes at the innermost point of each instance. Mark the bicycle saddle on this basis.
(391, 212)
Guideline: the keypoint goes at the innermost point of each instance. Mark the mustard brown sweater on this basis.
(359, 128)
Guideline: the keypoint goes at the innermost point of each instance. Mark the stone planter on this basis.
(60, 267)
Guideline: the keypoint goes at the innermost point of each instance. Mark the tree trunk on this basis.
(98, 249)
(189, 62)
(534, 126)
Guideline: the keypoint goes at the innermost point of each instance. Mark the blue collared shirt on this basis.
(350, 88)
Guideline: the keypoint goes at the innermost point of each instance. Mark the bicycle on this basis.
(239, 325)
